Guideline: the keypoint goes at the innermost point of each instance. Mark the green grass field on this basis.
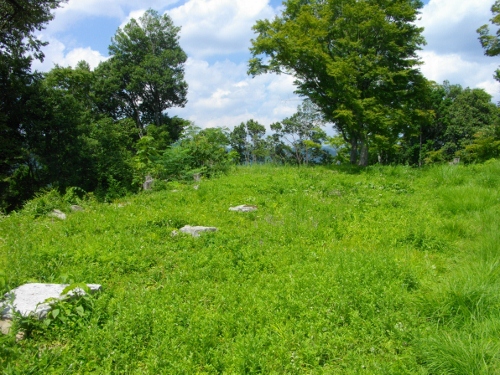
(387, 270)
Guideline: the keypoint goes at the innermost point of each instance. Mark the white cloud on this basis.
(222, 94)
(211, 27)
(57, 53)
(440, 67)
(78, 54)
(453, 51)
(450, 25)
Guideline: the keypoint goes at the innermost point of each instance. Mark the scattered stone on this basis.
(76, 208)
(148, 183)
(5, 326)
(31, 299)
(174, 233)
(196, 187)
(197, 177)
(58, 214)
(455, 161)
(243, 208)
(195, 231)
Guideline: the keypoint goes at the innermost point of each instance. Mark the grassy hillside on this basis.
(381, 271)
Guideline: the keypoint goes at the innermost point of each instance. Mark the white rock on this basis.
(243, 208)
(31, 299)
(58, 214)
(76, 207)
(195, 231)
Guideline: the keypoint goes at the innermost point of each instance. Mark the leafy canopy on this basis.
(19, 19)
(354, 59)
(491, 43)
(145, 75)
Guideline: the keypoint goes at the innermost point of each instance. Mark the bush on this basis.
(45, 202)
(200, 151)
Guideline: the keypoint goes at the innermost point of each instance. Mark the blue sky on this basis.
(216, 35)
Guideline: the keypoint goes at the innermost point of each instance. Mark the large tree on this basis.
(145, 74)
(19, 88)
(356, 60)
(19, 20)
(491, 43)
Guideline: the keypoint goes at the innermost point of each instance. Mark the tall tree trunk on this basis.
(354, 151)
(363, 157)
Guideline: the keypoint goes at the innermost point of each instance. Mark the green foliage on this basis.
(44, 203)
(3, 282)
(74, 195)
(303, 134)
(491, 43)
(168, 133)
(461, 117)
(199, 151)
(145, 74)
(341, 148)
(355, 60)
(111, 147)
(177, 163)
(146, 156)
(19, 94)
(247, 140)
(20, 21)
(485, 145)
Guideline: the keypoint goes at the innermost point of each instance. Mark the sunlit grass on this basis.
(388, 270)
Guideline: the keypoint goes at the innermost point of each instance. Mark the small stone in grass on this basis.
(196, 230)
(58, 214)
(243, 208)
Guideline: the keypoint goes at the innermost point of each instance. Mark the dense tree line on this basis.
(74, 127)
(354, 63)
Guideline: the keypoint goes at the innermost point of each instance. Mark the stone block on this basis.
(243, 208)
(195, 231)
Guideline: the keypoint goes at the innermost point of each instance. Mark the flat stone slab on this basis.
(243, 208)
(195, 231)
(31, 299)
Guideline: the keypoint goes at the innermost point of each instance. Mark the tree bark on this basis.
(363, 157)
(354, 151)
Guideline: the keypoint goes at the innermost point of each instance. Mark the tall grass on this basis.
(388, 270)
